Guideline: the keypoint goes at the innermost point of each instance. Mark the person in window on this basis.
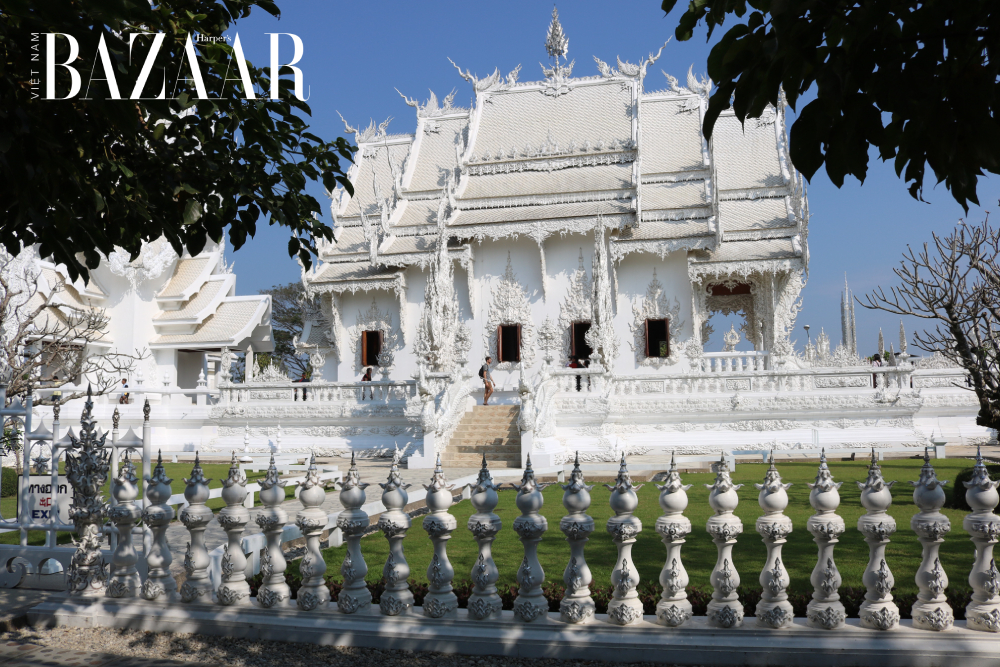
(123, 399)
(367, 377)
(302, 378)
(575, 363)
(484, 373)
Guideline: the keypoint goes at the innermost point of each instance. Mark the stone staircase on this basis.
(490, 430)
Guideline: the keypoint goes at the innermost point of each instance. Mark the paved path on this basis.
(27, 654)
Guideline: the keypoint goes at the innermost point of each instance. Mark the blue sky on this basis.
(356, 54)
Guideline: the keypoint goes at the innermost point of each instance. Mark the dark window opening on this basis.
(509, 343)
(657, 339)
(730, 290)
(579, 349)
(371, 347)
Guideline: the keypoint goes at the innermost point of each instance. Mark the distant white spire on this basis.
(848, 329)
(556, 42)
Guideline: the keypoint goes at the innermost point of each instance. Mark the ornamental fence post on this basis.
(577, 606)
(774, 610)
(157, 515)
(273, 592)
(394, 522)
(311, 520)
(625, 608)
(878, 611)
(530, 603)
(825, 610)
(440, 601)
(234, 589)
(931, 611)
(124, 581)
(353, 522)
(195, 518)
(725, 609)
(983, 612)
(674, 608)
(484, 603)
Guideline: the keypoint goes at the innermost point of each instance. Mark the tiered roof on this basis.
(560, 155)
(198, 308)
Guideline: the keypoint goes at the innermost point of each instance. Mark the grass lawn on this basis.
(699, 553)
(175, 471)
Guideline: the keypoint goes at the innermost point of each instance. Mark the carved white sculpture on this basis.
(484, 524)
(375, 319)
(601, 335)
(509, 305)
(577, 306)
(825, 610)
(725, 609)
(273, 592)
(625, 608)
(983, 612)
(195, 518)
(674, 608)
(440, 601)
(577, 606)
(233, 518)
(394, 522)
(931, 611)
(124, 581)
(160, 584)
(530, 603)
(774, 610)
(730, 339)
(656, 306)
(878, 611)
(353, 522)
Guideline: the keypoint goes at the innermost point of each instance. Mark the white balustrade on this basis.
(983, 525)
(577, 606)
(674, 608)
(233, 518)
(725, 609)
(484, 524)
(878, 611)
(774, 610)
(825, 610)
(440, 601)
(931, 611)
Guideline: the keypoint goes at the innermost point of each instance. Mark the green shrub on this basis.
(956, 494)
(8, 483)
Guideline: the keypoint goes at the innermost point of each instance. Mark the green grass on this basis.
(699, 553)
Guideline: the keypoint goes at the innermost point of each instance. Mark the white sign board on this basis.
(40, 498)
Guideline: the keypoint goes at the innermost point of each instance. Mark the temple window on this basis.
(509, 343)
(657, 338)
(578, 348)
(371, 347)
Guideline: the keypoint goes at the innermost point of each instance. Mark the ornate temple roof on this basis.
(561, 155)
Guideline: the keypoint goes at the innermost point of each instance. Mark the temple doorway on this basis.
(578, 347)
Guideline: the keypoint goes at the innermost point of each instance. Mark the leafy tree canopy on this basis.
(85, 175)
(917, 79)
(286, 323)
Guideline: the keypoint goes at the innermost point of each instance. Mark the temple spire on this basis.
(556, 42)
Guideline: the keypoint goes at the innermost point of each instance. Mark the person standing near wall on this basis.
(484, 373)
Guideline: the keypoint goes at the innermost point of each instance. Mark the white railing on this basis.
(734, 362)
(225, 605)
(376, 391)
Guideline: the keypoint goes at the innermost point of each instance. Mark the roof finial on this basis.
(556, 42)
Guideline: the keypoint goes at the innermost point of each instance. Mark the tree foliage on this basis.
(956, 283)
(85, 175)
(916, 79)
(286, 323)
